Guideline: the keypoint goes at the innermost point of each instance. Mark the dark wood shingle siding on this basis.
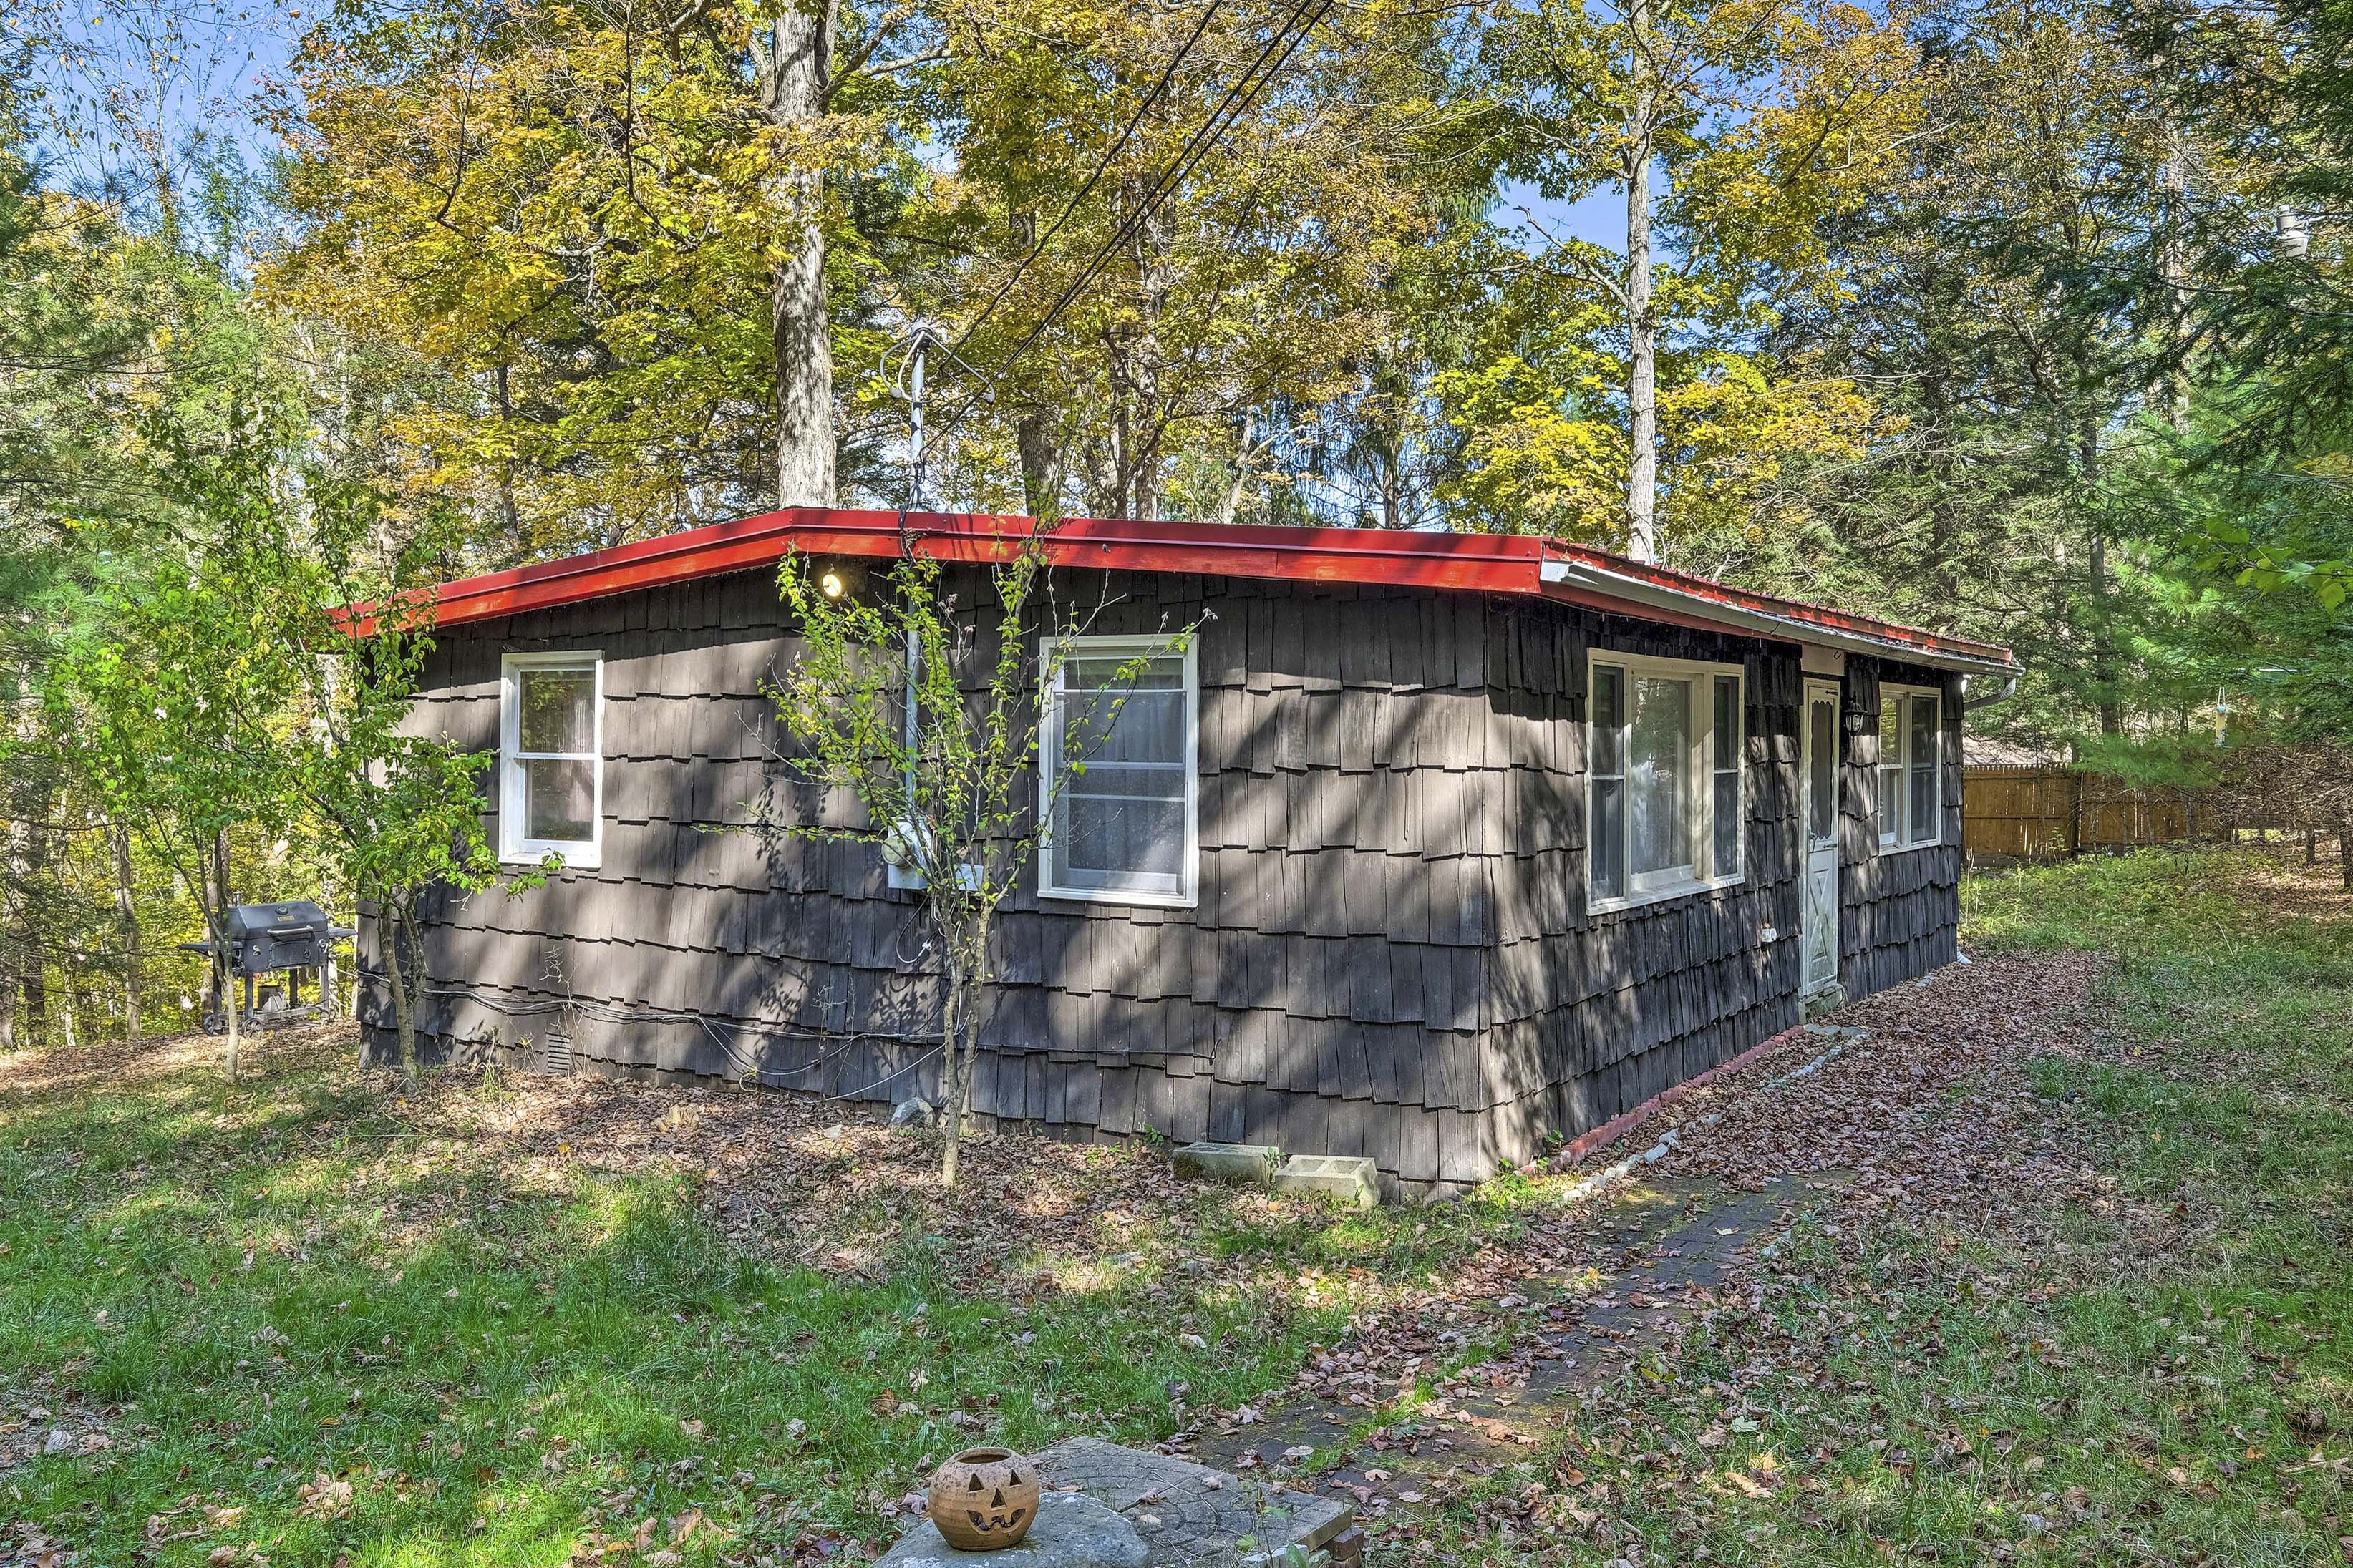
(1328, 992)
(1592, 1014)
(1899, 909)
(1390, 954)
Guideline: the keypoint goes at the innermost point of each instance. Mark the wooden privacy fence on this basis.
(2048, 812)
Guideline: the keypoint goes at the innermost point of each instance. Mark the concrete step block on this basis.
(1352, 1179)
(1246, 1164)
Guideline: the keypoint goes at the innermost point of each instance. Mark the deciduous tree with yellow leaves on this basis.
(1733, 128)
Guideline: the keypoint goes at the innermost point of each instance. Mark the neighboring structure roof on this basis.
(1508, 564)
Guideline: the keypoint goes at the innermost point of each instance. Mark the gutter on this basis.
(2002, 693)
(1576, 576)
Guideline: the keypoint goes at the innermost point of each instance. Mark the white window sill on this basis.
(576, 857)
(1119, 896)
(1660, 895)
(1888, 847)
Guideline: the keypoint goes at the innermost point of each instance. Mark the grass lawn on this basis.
(305, 1320)
(2156, 1368)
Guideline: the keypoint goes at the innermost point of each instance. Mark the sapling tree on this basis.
(179, 701)
(182, 732)
(925, 712)
(231, 691)
(400, 812)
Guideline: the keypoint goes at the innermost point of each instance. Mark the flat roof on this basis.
(1511, 566)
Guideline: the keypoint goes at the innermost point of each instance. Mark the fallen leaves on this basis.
(325, 1496)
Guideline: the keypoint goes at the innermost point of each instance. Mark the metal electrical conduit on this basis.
(608, 1013)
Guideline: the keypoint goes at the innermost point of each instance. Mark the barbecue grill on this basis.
(275, 939)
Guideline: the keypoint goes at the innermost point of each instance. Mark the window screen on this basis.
(1664, 785)
(1920, 759)
(550, 781)
(1725, 813)
(1121, 723)
(1608, 835)
(1891, 769)
(1659, 761)
(1911, 732)
(1821, 761)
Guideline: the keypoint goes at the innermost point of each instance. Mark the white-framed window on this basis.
(1665, 799)
(1911, 784)
(1118, 772)
(550, 757)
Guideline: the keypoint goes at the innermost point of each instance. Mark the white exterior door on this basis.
(1820, 929)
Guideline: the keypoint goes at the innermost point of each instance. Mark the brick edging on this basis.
(1618, 1126)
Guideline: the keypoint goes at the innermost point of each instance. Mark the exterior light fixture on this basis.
(832, 586)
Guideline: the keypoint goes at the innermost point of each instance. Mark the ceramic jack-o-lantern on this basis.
(984, 1499)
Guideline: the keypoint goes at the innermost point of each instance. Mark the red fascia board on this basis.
(1493, 564)
(1466, 562)
(1706, 590)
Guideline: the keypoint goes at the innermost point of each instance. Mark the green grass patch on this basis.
(2168, 1379)
(252, 1288)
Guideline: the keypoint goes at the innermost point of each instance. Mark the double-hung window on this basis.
(1117, 772)
(550, 757)
(1664, 807)
(1911, 793)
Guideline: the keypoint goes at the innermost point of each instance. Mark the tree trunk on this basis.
(793, 81)
(509, 514)
(396, 922)
(1230, 507)
(953, 1091)
(232, 1006)
(2344, 851)
(1153, 241)
(1642, 321)
(16, 949)
(2168, 392)
(1038, 479)
(213, 896)
(2312, 847)
(33, 922)
(126, 922)
(2104, 672)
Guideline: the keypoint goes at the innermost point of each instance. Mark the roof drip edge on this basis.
(1639, 592)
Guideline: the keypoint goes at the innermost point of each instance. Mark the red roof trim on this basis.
(1466, 562)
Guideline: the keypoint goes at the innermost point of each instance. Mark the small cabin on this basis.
(1433, 848)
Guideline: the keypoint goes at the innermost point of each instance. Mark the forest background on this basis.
(2026, 319)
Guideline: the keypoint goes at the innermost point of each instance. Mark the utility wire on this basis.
(1238, 97)
(1101, 167)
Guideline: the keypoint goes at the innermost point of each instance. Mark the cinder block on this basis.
(1352, 1179)
(1249, 1164)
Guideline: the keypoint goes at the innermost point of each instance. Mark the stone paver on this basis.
(1674, 1242)
(1073, 1530)
(1188, 1515)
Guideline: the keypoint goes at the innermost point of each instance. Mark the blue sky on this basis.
(1598, 216)
(200, 64)
(175, 69)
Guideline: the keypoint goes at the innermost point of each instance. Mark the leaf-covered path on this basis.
(1917, 1099)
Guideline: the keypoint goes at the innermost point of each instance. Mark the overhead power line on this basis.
(1094, 175)
(1240, 96)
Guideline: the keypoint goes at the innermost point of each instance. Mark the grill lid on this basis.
(295, 916)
